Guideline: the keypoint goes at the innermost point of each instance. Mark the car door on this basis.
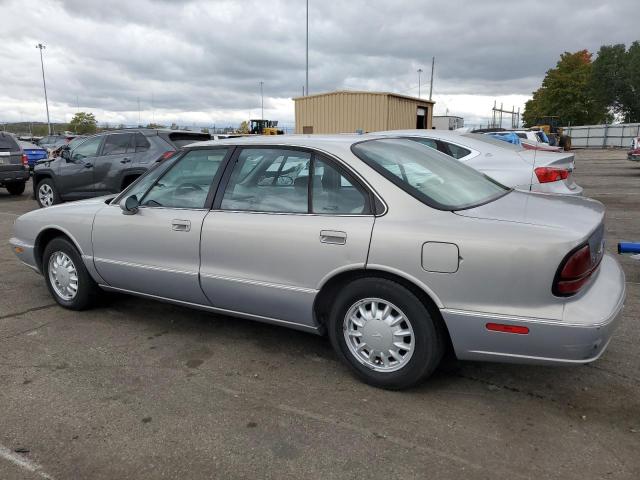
(75, 174)
(117, 154)
(156, 251)
(283, 221)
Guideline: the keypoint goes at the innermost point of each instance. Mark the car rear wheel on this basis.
(385, 333)
(66, 276)
(16, 188)
(46, 193)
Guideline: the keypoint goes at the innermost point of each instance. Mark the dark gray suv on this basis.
(14, 168)
(105, 163)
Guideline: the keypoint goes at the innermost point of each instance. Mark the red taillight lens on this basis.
(25, 160)
(166, 155)
(549, 174)
(575, 272)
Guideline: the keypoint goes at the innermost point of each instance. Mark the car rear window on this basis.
(428, 175)
(494, 141)
(180, 139)
(7, 142)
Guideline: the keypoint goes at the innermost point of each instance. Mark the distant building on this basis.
(447, 122)
(351, 112)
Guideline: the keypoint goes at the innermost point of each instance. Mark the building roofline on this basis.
(386, 94)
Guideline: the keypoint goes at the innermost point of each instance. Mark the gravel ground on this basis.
(139, 389)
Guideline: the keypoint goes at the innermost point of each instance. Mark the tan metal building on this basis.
(351, 111)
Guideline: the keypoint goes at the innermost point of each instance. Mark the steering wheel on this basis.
(186, 188)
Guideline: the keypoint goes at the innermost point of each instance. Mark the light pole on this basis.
(419, 85)
(307, 55)
(261, 102)
(44, 83)
(433, 64)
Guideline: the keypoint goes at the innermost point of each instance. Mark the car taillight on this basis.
(550, 174)
(166, 155)
(575, 271)
(25, 160)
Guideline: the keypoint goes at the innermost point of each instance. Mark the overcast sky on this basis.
(200, 62)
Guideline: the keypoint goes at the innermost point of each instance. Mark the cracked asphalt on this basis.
(140, 389)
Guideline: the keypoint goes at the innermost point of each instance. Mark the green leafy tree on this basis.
(244, 127)
(83, 123)
(566, 92)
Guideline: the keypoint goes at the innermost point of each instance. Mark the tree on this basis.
(566, 92)
(244, 127)
(83, 123)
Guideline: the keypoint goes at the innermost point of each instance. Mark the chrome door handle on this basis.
(335, 237)
(181, 225)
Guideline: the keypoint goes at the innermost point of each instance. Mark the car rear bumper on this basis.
(633, 156)
(13, 176)
(581, 337)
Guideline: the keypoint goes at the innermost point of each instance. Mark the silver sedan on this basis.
(393, 249)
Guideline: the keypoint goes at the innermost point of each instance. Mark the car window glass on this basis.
(269, 180)
(428, 175)
(426, 141)
(7, 142)
(87, 149)
(333, 193)
(456, 151)
(117, 144)
(141, 143)
(186, 184)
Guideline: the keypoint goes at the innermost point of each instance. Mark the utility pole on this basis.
(261, 102)
(419, 85)
(433, 64)
(44, 83)
(139, 124)
(307, 54)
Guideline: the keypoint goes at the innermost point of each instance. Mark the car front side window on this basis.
(87, 149)
(187, 183)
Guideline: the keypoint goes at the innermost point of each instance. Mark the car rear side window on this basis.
(456, 151)
(7, 143)
(334, 193)
(141, 143)
(117, 144)
(428, 175)
(269, 180)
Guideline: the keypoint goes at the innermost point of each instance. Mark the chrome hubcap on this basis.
(45, 194)
(63, 276)
(378, 334)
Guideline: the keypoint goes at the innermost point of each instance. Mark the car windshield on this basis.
(494, 141)
(430, 176)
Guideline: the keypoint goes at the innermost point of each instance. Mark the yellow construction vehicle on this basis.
(551, 127)
(264, 127)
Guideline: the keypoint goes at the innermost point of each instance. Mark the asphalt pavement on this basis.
(145, 390)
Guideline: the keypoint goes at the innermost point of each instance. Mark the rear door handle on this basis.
(335, 237)
(125, 160)
(88, 165)
(180, 225)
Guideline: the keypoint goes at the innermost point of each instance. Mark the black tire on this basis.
(15, 188)
(429, 339)
(55, 196)
(87, 289)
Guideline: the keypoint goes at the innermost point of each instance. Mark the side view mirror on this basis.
(129, 205)
(66, 154)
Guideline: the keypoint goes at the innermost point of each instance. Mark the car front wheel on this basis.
(46, 193)
(66, 276)
(385, 333)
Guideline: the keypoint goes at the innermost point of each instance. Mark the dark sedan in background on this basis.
(14, 168)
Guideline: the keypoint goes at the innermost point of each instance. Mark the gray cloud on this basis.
(203, 60)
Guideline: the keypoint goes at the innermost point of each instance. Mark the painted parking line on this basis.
(23, 462)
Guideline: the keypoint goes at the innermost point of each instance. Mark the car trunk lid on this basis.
(560, 160)
(568, 213)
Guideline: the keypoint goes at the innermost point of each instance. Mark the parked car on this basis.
(634, 153)
(536, 140)
(14, 167)
(48, 141)
(511, 165)
(105, 163)
(509, 137)
(56, 149)
(391, 247)
(33, 152)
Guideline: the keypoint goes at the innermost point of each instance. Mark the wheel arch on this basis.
(38, 177)
(45, 236)
(332, 286)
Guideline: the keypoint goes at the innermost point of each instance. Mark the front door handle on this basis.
(125, 160)
(88, 165)
(335, 237)
(180, 225)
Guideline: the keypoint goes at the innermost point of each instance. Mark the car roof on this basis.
(149, 131)
(311, 141)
